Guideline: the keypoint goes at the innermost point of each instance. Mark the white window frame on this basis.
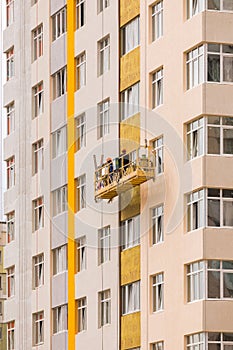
(195, 138)
(38, 328)
(130, 298)
(194, 7)
(60, 200)
(10, 9)
(157, 20)
(80, 13)
(130, 100)
(60, 319)
(196, 281)
(222, 200)
(157, 218)
(59, 138)
(38, 156)
(38, 99)
(80, 132)
(130, 232)
(221, 8)
(195, 67)
(196, 341)
(10, 169)
(104, 235)
(81, 192)
(10, 226)
(38, 271)
(103, 118)
(11, 335)
(157, 88)
(158, 292)
(158, 346)
(10, 63)
(59, 83)
(10, 115)
(60, 262)
(81, 244)
(130, 36)
(82, 314)
(11, 281)
(104, 308)
(222, 127)
(158, 149)
(104, 55)
(102, 5)
(59, 23)
(81, 70)
(38, 213)
(196, 209)
(37, 42)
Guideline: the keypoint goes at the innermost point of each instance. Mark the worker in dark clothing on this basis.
(124, 160)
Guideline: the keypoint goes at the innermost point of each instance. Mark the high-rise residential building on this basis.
(3, 287)
(119, 160)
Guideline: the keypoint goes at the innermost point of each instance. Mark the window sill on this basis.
(157, 312)
(131, 312)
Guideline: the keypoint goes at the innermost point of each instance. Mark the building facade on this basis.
(118, 170)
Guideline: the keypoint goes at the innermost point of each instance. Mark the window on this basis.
(158, 148)
(220, 279)
(220, 63)
(82, 314)
(10, 226)
(130, 101)
(59, 23)
(38, 269)
(158, 292)
(10, 169)
(37, 156)
(158, 346)
(38, 328)
(37, 40)
(11, 335)
(81, 70)
(59, 83)
(219, 135)
(130, 232)
(103, 118)
(59, 142)
(59, 259)
(220, 5)
(38, 100)
(220, 207)
(80, 132)
(80, 13)
(10, 4)
(157, 20)
(103, 4)
(104, 244)
(157, 88)
(195, 215)
(210, 341)
(81, 257)
(10, 115)
(10, 63)
(131, 297)
(104, 55)
(11, 282)
(130, 36)
(81, 192)
(195, 67)
(195, 6)
(195, 281)
(60, 319)
(38, 213)
(60, 200)
(104, 307)
(196, 341)
(195, 138)
(157, 224)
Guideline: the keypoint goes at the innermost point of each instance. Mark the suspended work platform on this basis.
(121, 174)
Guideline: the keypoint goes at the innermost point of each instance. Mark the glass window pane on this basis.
(228, 69)
(213, 140)
(214, 120)
(227, 121)
(227, 213)
(213, 212)
(213, 68)
(228, 285)
(213, 284)
(227, 5)
(213, 4)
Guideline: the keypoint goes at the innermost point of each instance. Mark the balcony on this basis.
(121, 174)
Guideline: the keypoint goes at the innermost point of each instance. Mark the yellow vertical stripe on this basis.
(71, 186)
